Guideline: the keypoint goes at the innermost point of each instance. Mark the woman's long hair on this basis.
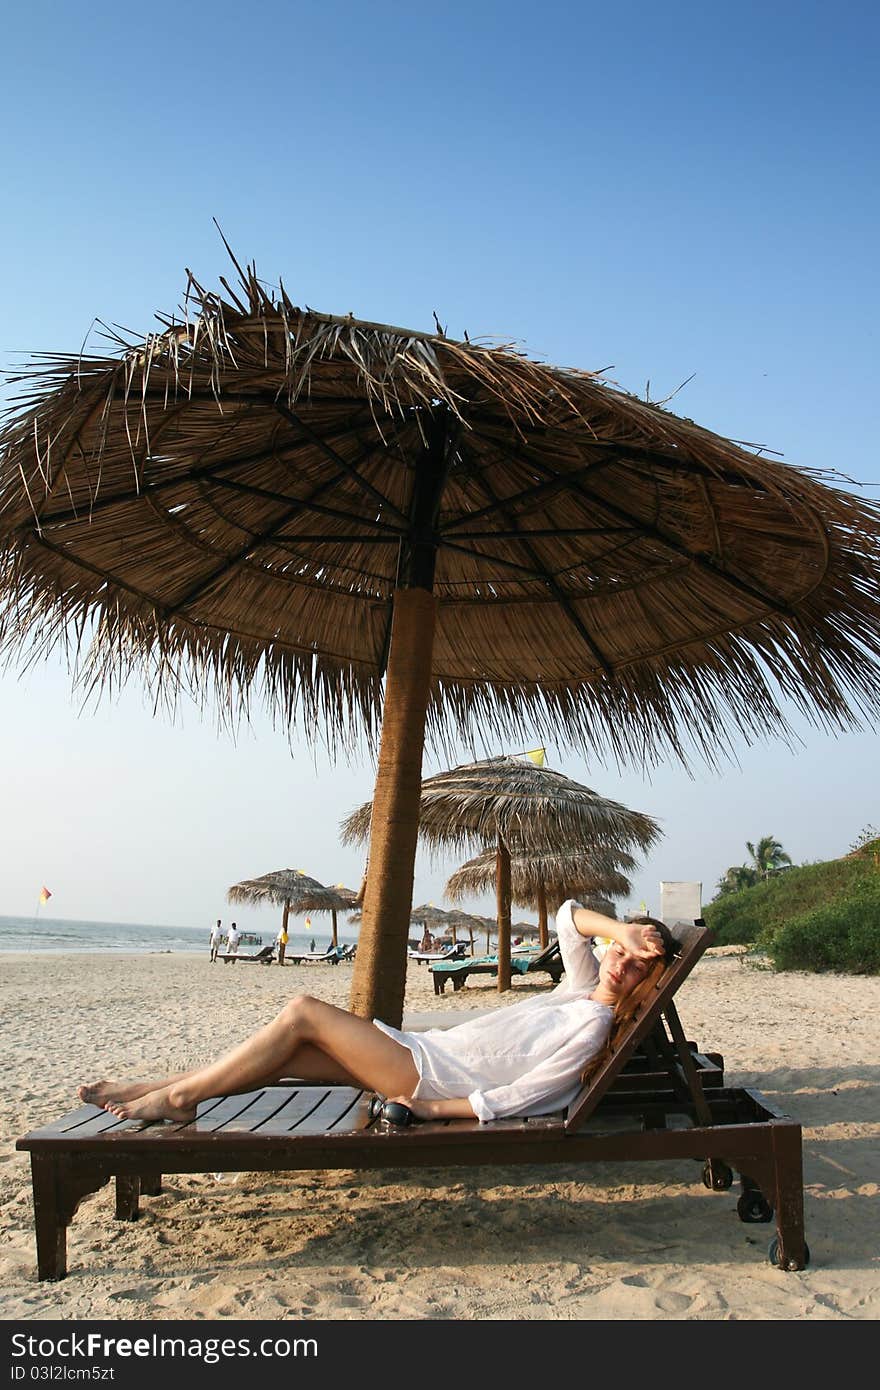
(628, 1006)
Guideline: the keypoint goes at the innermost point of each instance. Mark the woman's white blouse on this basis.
(523, 1060)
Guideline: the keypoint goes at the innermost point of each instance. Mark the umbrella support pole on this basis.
(379, 982)
(502, 864)
(543, 932)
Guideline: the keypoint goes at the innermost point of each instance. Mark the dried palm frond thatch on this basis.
(538, 880)
(532, 808)
(224, 502)
(241, 501)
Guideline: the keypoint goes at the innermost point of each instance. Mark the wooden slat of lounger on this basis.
(86, 1122)
(218, 1113)
(337, 1113)
(294, 1108)
(261, 1110)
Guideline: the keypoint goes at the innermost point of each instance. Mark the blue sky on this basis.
(663, 190)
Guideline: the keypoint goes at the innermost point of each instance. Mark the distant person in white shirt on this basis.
(527, 1059)
(232, 940)
(216, 938)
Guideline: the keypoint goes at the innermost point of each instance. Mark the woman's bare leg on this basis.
(100, 1092)
(304, 1033)
(311, 1065)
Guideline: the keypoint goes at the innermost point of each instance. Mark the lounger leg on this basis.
(789, 1175)
(780, 1178)
(128, 1191)
(51, 1231)
(151, 1186)
(59, 1186)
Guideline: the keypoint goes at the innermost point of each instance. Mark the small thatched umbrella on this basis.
(333, 900)
(294, 890)
(544, 880)
(470, 921)
(429, 915)
(281, 886)
(375, 525)
(520, 807)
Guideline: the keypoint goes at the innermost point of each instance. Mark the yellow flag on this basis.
(537, 756)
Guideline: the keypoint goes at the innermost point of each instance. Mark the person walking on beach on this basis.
(232, 941)
(282, 943)
(526, 1059)
(216, 938)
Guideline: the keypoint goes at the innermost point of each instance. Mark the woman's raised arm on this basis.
(642, 941)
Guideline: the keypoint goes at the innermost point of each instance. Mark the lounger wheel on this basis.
(790, 1265)
(717, 1176)
(754, 1207)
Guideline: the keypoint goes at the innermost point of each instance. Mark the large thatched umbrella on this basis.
(294, 890)
(518, 807)
(351, 518)
(544, 880)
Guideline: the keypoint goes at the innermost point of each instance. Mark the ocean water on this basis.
(41, 933)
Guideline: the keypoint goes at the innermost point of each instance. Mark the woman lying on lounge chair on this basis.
(523, 1060)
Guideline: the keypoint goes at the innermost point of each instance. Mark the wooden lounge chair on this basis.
(264, 957)
(331, 956)
(549, 960)
(456, 952)
(618, 1114)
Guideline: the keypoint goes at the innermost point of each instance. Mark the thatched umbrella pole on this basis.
(379, 982)
(285, 914)
(543, 932)
(502, 870)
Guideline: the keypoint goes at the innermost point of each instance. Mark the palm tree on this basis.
(767, 855)
(734, 879)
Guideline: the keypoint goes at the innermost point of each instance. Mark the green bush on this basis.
(756, 913)
(735, 919)
(843, 935)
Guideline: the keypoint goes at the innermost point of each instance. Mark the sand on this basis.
(633, 1241)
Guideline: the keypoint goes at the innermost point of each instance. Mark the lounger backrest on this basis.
(548, 953)
(693, 941)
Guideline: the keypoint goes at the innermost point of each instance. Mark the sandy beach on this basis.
(632, 1241)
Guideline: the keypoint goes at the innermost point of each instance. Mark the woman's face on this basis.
(620, 971)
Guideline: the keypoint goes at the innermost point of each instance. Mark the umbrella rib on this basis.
(211, 581)
(207, 473)
(674, 458)
(390, 532)
(525, 570)
(549, 532)
(700, 562)
(530, 494)
(545, 576)
(574, 480)
(198, 591)
(341, 462)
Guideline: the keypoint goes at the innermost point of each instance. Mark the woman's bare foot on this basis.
(114, 1092)
(155, 1105)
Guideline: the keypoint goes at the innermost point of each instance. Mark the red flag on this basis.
(45, 895)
